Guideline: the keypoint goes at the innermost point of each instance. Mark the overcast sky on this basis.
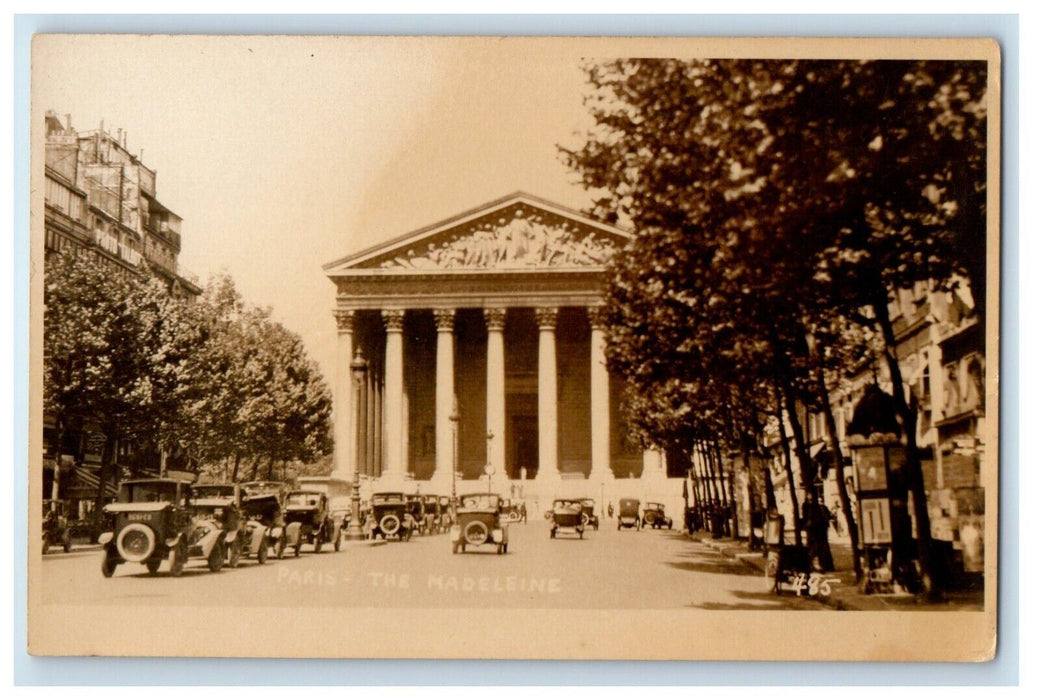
(283, 154)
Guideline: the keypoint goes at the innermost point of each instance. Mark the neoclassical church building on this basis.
(487, 318)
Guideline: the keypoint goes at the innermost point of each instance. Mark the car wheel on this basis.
(234, 554)
(261, 554)
(319, 540)
(153, 565)
(279, 548)
(66, 544)
(339, 540)
(505, 548)
(108, 567)
(216, 557)
(297, 548)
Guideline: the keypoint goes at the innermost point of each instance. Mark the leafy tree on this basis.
(772, 197)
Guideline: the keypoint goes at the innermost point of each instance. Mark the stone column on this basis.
(496, 388)
(599, 400)
(342, 430)
(444, 399)
(547, 418)
(393, 388)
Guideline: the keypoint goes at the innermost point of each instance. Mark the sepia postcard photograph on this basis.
(514, 347)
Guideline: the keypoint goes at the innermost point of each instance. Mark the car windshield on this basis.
(654, 506)
(482, 501)
(566, 506)
(303, 499)
(149, 492)
(380, 499)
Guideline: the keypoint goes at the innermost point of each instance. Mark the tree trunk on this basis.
(255, 469)
(270, 468)
(930, 583)
(234, 471)
(788, 467)
(107, 471)
(839, 473)
(816, 524)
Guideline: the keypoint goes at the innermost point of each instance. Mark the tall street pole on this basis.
(454, 419)
(358, 370)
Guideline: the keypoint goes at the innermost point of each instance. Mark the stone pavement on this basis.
(845, 593)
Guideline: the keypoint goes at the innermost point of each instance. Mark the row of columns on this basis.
(394, 432)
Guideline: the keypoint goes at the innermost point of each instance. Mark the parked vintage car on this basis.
(567, 517)
(511, 510)
(588, 513)
(417, 510)
(628, 513)
(151, 522)
(653, 516)
(309, 511)
(480, 522)
(264, 512)
(391, 516)
(56, 531)
(224, 503)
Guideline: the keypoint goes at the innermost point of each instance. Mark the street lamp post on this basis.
(489, 469)
(454, 419)
(358, 370)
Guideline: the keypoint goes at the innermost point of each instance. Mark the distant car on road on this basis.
(653, 516)
(262, 504)
(588, 513)
(151, 522)
(567, 517)
(309, 512)
(628, 513)
(391, 516)
(480, 522)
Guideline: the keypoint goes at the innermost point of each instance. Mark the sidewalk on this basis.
(845, 594)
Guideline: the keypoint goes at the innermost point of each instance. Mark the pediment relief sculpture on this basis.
(517, 242)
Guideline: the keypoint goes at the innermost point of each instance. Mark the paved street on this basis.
(607, 569)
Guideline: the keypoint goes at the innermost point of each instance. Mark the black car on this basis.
(567, 516)
(628, 513)
(151, 523)
(588, 513)
(653, 516)
(56, 530)
(310, 510)
(392, 516)
(479, 523)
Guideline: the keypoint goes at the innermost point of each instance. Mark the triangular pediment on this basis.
(519, 232)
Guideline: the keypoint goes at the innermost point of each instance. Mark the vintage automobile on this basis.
(224, 503)
(262, 507)
(480, 522)
(391, 516)
(653, 516)
(511, 510)
(417, 510)
(588, 513)
(308, 511)
(56, 531)
(151, 522)
(567, 517)
(628, 513)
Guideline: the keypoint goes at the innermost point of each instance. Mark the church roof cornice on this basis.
(352, 264)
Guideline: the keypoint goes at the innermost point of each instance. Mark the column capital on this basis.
(344, 320)
(394, 319)
(495, 319)
(445, 319)
(546, 317)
